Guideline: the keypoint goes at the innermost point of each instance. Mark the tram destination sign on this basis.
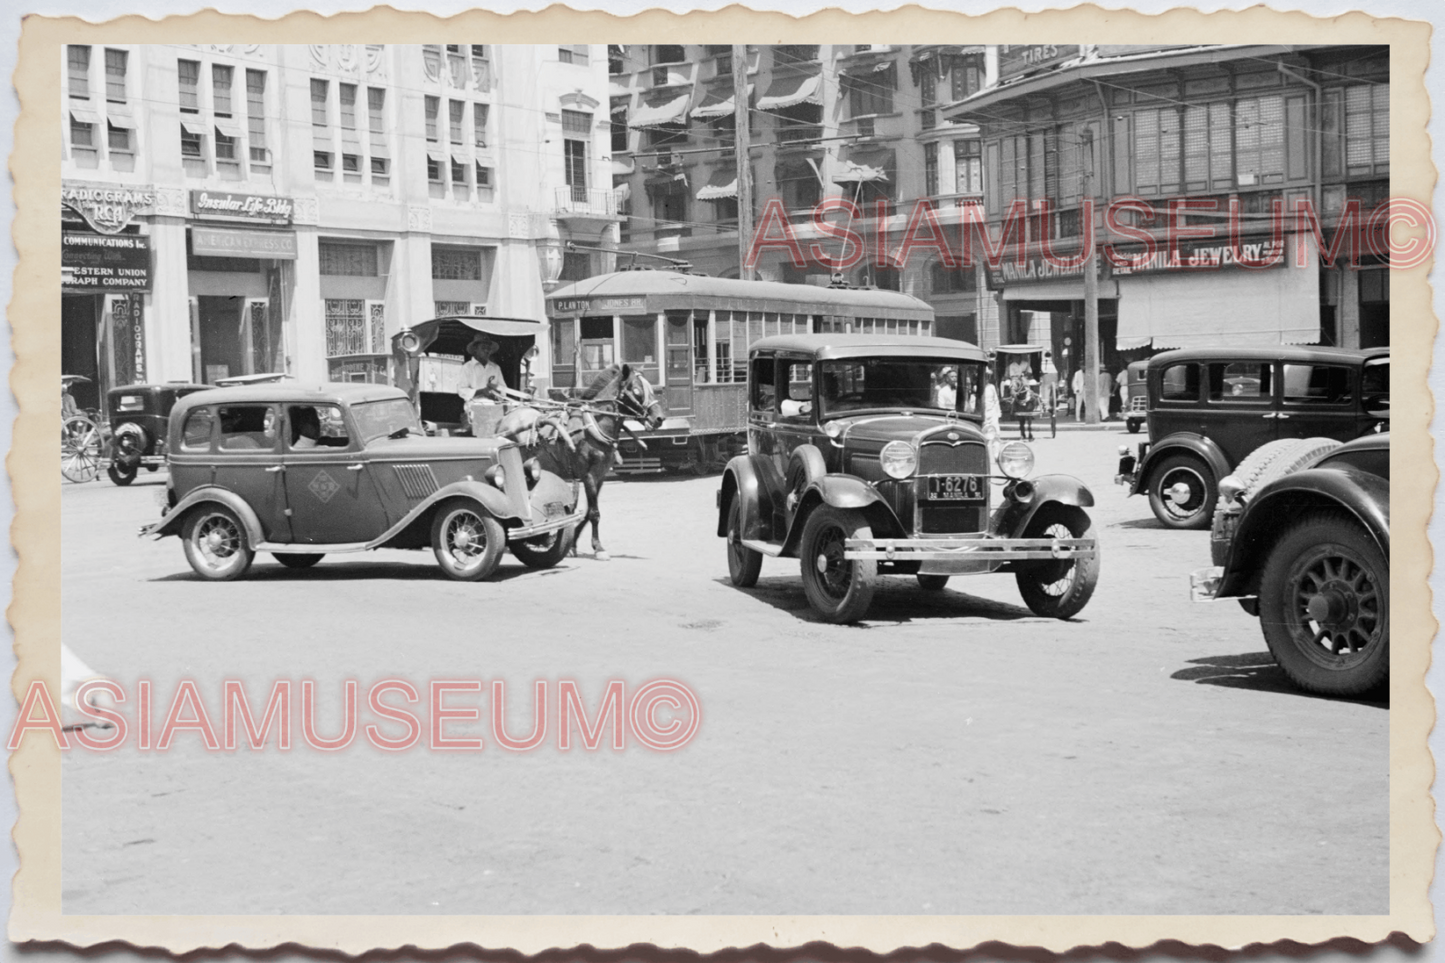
(105, 262)
(598, 305)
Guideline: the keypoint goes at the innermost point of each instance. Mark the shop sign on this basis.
(251, 207)
(105, 262)
(1261, 253)
(106, 208)
(1033, 270)
(597, 305)
(1015, 60)
(221, 242)
(128, 334)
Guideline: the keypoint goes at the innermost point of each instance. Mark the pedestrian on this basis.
(1122, 379)
(992, 414)
(1077, 385)
(1106, 391)
(1026, 406)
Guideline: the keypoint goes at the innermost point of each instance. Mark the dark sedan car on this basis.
(1306, 548)
(867, 456)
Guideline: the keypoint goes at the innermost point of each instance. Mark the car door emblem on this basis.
(323, 486)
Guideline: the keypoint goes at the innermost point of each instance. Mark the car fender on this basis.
(842, 491)
(755, 480)
(1362, 496)
(1180, 442)
(495, 503)
(1015, 516)
(175, 518)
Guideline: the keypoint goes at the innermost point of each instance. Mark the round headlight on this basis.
(497, 475)
(1230, 488)
(898, 459)
(1016, 459)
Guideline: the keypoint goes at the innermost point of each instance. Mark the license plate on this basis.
(554, 510)
(956, 488)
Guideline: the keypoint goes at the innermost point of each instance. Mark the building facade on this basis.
(242, 209)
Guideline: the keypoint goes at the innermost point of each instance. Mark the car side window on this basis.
(196, 434)
(765, 393)
(316, 426)
(1317, 384)
(247, 427)
(797, 390)
(1242, 382)
(1180, 382)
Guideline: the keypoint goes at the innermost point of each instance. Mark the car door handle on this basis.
(1281, 416)
(1270, 414)
(275, 468)
(356, 467)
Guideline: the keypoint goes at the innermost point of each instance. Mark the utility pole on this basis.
(1092, 414)
(740, 152)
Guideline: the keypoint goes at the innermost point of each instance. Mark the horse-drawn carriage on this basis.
(430, 358)
(1016, 366)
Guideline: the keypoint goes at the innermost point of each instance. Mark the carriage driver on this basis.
(480, 375)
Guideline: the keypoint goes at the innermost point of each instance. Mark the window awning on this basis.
(623, 192)
(671, 112)
(228, 128)
(718, 103)
(125, 120)
(193, 127)
(432, 154)
(670, 182)
(463, 159)
(866, 70)
(791, 91)
(622, 166)
(84, 115)
(723, 184)
(863, 166)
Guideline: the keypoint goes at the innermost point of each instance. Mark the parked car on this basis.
(1210, 407)
(1305, 545)
(1137, 390)
(304, 471)
(138, 417)
(866, 457)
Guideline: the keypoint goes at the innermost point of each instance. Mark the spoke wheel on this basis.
(839, 590)
(215, 543)
(744, 564)
(1325, 606)
(544, 551)
(80, 448)
(1058, 588)
(1182, 493)
(467, 542)
(120, 474)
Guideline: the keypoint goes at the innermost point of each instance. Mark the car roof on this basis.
(291, 391)
(1275, 352)
(824, 346)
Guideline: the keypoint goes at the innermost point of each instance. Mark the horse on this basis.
(588, 444)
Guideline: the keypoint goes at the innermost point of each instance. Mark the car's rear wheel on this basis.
(744, 564)
(544, 551)
(298, 560)
(121, 474)
(215, 543)
(932, 583)
(1182, 492)
(467, 541)
(1058, 588)
(1133, 424)
(1324, 606)
(839, 589)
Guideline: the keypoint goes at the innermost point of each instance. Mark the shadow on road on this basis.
(900, 602)
(354, 571)
(1258, 671)
(1150, 523)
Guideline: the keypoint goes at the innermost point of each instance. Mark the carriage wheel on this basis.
(80, 447)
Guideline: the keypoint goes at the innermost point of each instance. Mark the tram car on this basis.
(689, 334)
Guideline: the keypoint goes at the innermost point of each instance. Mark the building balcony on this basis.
(585, 204)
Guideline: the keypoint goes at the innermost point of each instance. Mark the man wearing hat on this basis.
(480, 374)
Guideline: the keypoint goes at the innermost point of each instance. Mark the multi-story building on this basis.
(1204, 130)
(855, 123)
(239, 209)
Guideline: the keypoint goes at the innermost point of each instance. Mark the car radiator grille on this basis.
(940, 458)
(417, 481)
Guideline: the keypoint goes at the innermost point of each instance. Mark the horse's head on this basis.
(636, 398)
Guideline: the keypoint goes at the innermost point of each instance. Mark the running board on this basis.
(770, 549)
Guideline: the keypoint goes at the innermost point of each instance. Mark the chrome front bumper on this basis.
(970, 549)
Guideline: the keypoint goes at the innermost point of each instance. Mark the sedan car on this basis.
(303, 471)
(1303, 542)
(867, 457)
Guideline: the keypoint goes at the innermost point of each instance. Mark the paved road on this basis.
(954, 754)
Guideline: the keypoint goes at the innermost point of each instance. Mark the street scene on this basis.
(726, 479)
(951, 754)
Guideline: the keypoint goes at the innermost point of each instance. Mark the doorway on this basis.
(221, 334)
(79, 346)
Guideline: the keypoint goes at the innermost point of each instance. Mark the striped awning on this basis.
(718, 103)
(791, 91)
(722, 185)
(853, 173)
(671, 112)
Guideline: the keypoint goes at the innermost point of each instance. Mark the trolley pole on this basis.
(1092, 414)
(741, 150)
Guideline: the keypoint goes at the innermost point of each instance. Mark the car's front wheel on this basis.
(544, 551)
(467, 541)
(1324, 606)
(839, 589)
(121, 474)
(1182, 492)
(215, 543)
(744, 564)
(1058, 588)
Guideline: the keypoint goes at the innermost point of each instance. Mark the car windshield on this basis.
(380, 419)
(914, 383)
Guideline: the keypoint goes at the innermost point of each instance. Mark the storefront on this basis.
(106, 275)
(240, 254)
(1042, 303)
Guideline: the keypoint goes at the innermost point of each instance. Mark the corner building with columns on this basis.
(243, 209)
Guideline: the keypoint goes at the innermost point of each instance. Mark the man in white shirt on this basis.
(480, 375)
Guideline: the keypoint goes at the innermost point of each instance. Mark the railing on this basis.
(586, 201)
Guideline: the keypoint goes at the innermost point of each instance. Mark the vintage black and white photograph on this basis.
(743, 479)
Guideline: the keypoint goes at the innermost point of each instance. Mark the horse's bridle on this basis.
(625, 405)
